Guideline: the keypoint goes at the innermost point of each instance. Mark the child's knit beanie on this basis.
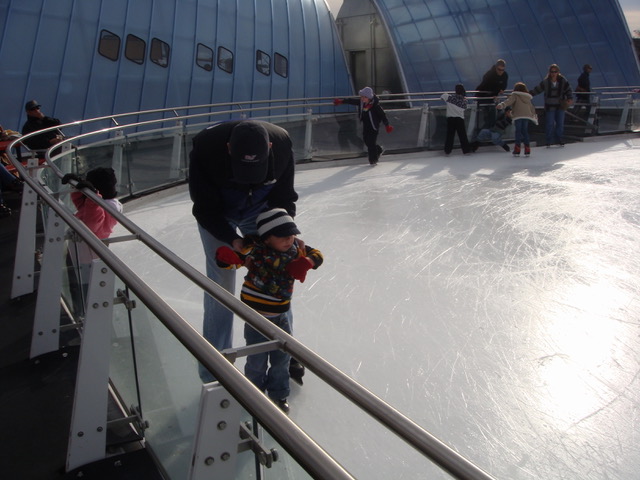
(276, 222)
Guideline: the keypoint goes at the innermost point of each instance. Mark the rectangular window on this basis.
(263, 62)
(281, 65)
(204, 57)
(134, 49)
(109, 45)
(159, 53)
(225, 60)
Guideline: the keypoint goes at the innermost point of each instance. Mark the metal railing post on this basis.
(176, 152)
(116, 158)
(88, 432)
(215, 445)
(308, 135)
(623, 124)
(422, 140)
(46, 324)
(24, 262)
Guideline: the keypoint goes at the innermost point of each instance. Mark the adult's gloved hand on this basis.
(225, 256)
(389, 128)
(299, 267)
(338, 101)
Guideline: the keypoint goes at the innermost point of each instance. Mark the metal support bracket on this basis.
(251, 442)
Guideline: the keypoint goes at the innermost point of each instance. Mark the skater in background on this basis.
(557, 98)
(371, 114)
(523, 112)
(456, 105)
(495, 133)
(584, 85)
(274, 261)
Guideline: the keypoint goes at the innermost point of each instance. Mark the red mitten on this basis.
(337, 101)
(389, 128)
(225, 257)
(299, 267)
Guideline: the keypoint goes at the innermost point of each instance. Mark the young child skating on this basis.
(274, 261)
(523, 112)
(495, 133)
(456, 105)
(371, 114)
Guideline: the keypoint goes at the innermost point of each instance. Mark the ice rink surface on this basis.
(493, 300)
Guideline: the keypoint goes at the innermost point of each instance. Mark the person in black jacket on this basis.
(371, 114)
(237, 170)
(494, 82)
(557, 98)
(36, 120)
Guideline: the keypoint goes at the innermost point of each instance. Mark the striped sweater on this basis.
(268, 287)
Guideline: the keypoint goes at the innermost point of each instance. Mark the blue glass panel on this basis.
(428, 30)
(409, 33)
(457, 48)
(447, 26)
(399, 15)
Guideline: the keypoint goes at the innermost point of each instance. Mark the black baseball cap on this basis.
(249, 150)
(32, 105)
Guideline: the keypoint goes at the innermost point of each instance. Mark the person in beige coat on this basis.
(523, 112)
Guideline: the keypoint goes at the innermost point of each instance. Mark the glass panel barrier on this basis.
(155, 374)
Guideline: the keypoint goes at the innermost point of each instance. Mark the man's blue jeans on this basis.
(274, 379)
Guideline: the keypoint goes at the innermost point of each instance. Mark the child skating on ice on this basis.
(523, 112)
(274, 261)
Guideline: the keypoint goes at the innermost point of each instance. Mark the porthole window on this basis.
(134, 49)
(159, 53)
(281, 65)
(225, 60)
(109, 45)
(204, 57)
(263, 62)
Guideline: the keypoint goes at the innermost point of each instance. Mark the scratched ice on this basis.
(493, 300)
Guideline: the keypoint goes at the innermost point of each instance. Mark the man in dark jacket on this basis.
(237, 170)
(493, 83)
(36, 120)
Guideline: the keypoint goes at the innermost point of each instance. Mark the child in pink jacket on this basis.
(102, 181)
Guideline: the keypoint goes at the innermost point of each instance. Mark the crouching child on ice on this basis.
(274, 261)
(495, 133)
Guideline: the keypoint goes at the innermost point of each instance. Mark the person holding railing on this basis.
(103, 181)
(494, 82)
(237, 170)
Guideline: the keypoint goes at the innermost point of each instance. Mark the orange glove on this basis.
(389, 128)
(226, 257)
(337, 101)
(299, 267)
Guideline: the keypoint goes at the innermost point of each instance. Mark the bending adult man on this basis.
(237, 170)
(493, 83)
